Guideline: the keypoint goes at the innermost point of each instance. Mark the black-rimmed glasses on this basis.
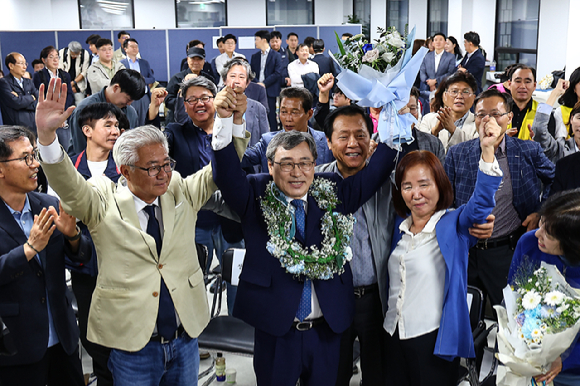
(153, 171)
(28, 158)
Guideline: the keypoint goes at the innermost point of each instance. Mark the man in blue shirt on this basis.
(34, 239)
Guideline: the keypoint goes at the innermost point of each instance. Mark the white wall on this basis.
(328, 12)
(158, 14)
(246, 13)
(418, 17)
(378, 17)
(572, 52)
(553, 36)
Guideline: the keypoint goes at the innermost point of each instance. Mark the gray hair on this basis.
(125, 151)
(289, 140)
(237, 62)
(198, 81)
(75, 47)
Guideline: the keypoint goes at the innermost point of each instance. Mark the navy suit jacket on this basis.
(567, 173)
(258, 93)
(43, 77)
(272, 71)
(145, 69)
(527, 164)
(427, 71)
(25, 284)
(18, 110)
(267, 296)
(325, 64)
(475, 67)
(284, 61)
(256, 155)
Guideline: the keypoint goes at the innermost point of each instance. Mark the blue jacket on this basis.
(446, 68)
(267, 296)
(454, 338)
(475, 67)
(25, 285)
(527, 163)
(18, 110)
(145, 69)
(528, 246)
(256, 155)
(325, 64)
(80, 162)
(272, 71)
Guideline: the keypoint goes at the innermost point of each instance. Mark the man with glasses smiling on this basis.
(149, 303)
(34, 239)
(18, 95)
(527, 177)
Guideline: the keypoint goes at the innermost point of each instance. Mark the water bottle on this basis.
(492, 66)
(220, 368)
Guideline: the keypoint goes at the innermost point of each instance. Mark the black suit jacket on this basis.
(272, 71)
(43, 77)
(18, 110)
(24, 286)
(475, 66)
(567, 173)
(325, 64)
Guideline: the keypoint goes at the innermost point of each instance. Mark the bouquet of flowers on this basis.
(381, 74)
(539, 323)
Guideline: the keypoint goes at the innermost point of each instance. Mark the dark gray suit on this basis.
(446, 68)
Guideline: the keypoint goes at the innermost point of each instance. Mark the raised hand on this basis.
(241, 105)
(225, 102)
(325, 83)
(489, 132)
(158, 95)
(40, 233)
(50, 113)
(65, 223)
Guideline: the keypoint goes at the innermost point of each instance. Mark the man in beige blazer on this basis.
(129, 306)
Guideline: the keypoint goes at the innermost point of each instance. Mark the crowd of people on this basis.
(261, 154)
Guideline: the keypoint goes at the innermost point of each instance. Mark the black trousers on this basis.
(311, 356)
(488, 270)
(83, 287)
(368, 326)
(56, 368)
(272, 113)
(412, 363)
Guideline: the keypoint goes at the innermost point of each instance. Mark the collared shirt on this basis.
(459, 123)
(362, 264)
(438, 59)
(296, 69)
(134, 65)
(468, 55)
(52, 74)
(315, 311)
(263, 59)
(519, 115)
(20, 82)
(416, 281)
(507, 219)
(25, 220)
(203, 146)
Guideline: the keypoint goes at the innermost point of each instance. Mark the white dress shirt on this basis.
(438, 59)
(296, 69)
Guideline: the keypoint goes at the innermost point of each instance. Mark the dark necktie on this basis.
(166, 323)
(304, 308)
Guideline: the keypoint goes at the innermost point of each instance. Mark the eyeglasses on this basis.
(288, 166)
(193, 101)
(454, 93)
(294, 113)
(28, 158)
(337, 94)
(153, 171)
(25, 64)
(493, 115)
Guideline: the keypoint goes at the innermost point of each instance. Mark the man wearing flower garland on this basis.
(295, 288)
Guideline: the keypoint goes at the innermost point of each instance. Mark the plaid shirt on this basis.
(528, 166)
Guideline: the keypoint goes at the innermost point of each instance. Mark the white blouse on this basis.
(416, 281)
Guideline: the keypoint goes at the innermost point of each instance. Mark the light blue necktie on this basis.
(304, 308)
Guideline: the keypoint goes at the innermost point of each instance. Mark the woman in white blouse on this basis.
(427, 319)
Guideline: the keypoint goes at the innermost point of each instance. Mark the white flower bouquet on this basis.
(539, 322)
(381, 74)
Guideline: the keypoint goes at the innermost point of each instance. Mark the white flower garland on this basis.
(336, 229)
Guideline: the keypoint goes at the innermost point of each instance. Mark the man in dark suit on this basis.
(276, 45)
(132, 61)
(437, 64)
(527, 177)
(325, 63)
(18, 96)
(34, 239)
(567, 173)
(267, 65)
(473, 61)
(298, 320)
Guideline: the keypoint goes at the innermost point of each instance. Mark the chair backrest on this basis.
(202, 255)
(475, 303)
(232, 262)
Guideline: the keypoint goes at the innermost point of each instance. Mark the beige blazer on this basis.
(467, 132)
(125, 302)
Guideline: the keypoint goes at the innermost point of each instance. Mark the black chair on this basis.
(480, 334)
(225, 333)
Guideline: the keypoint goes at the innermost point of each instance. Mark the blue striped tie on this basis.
(304, 308)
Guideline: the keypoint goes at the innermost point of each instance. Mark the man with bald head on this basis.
(18, 95)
